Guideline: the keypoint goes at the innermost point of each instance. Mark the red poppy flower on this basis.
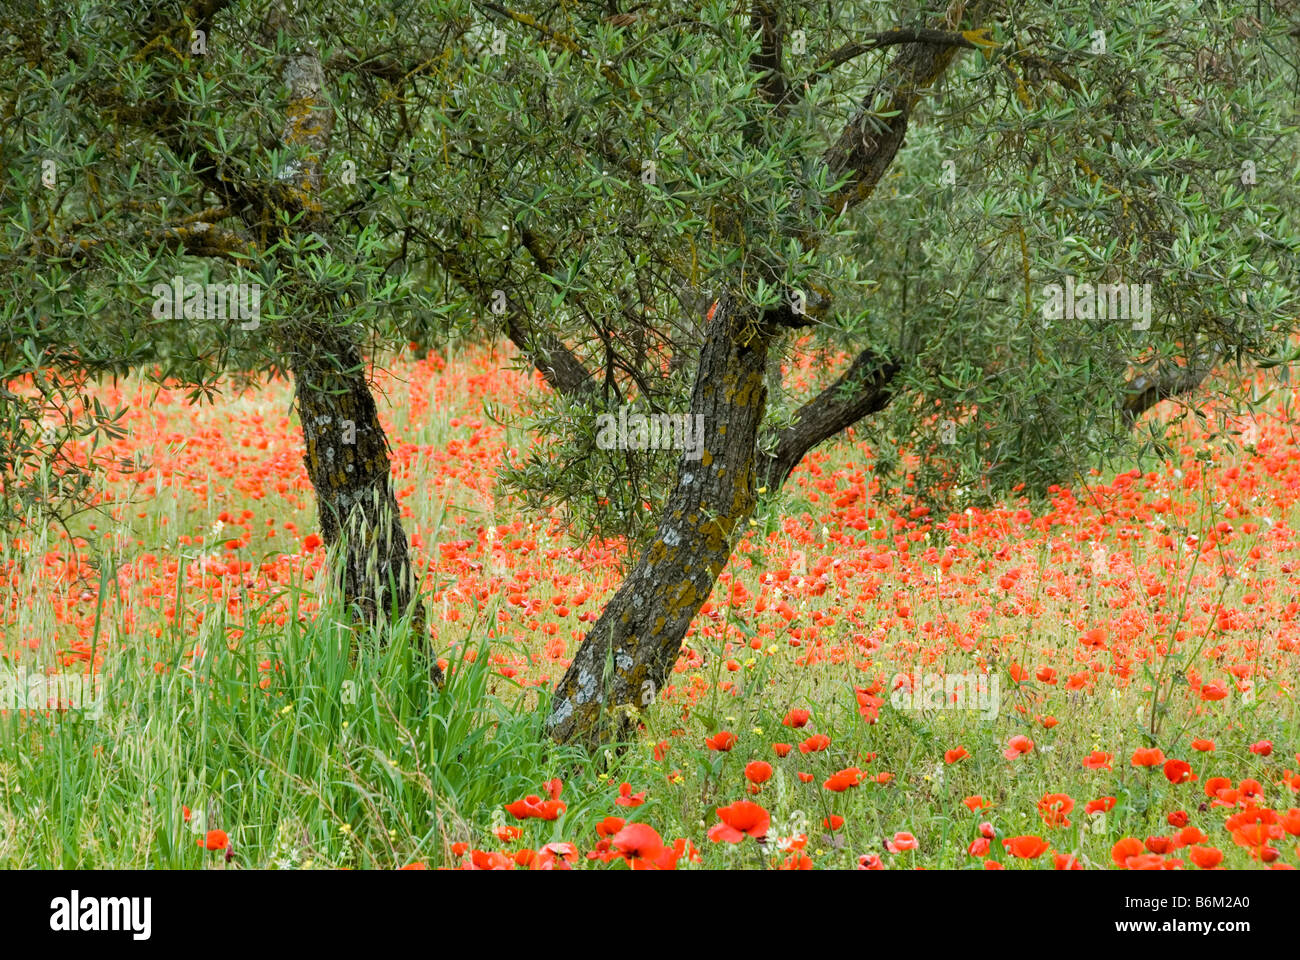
(1100, 805)
(815, 743)
(952, 756)
(796, 718)
(1161, 845)
(1178, 771)
(1190, 835)
(758, 771)
(1097, 760)
(1017, 745)
(1125, 850)
(722, 740)
(1025, 848)
(1207, 858)
(488, 860)
(626, 798)
(534, 807)
(638, 841)
(841, 781)
(215, 840)
(555, 856)
(1213, 785)
(1053, 809)
(1214, 691)
(1147, 757)
(901, 843)
(609, 826)
(739, 820)
(1145, 861)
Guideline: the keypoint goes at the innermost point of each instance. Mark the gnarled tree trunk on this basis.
(346, 451)
(626, 658)
(347, 461)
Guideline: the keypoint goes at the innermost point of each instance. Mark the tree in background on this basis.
(658, 203)
(1025, 224)
(179, 196)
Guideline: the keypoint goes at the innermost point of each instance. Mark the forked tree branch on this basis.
(876, 41)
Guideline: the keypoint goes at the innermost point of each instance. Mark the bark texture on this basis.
(626, 658)
(347, 462)
(346, 449)
(869, 142)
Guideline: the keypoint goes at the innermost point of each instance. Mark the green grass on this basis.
(335, 763)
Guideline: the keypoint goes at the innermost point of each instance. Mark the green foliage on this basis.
(1123, 164)
(599, 180)
(131, 158)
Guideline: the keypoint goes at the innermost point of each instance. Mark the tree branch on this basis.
(866, 387)
(766, 59)
(876, 41)
(870, 140)
(562, 369)
(1158, 381)
(198, 238)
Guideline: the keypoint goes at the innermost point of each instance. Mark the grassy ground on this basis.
(1148, 612)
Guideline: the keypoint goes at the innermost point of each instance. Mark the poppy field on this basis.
(1105, 682)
